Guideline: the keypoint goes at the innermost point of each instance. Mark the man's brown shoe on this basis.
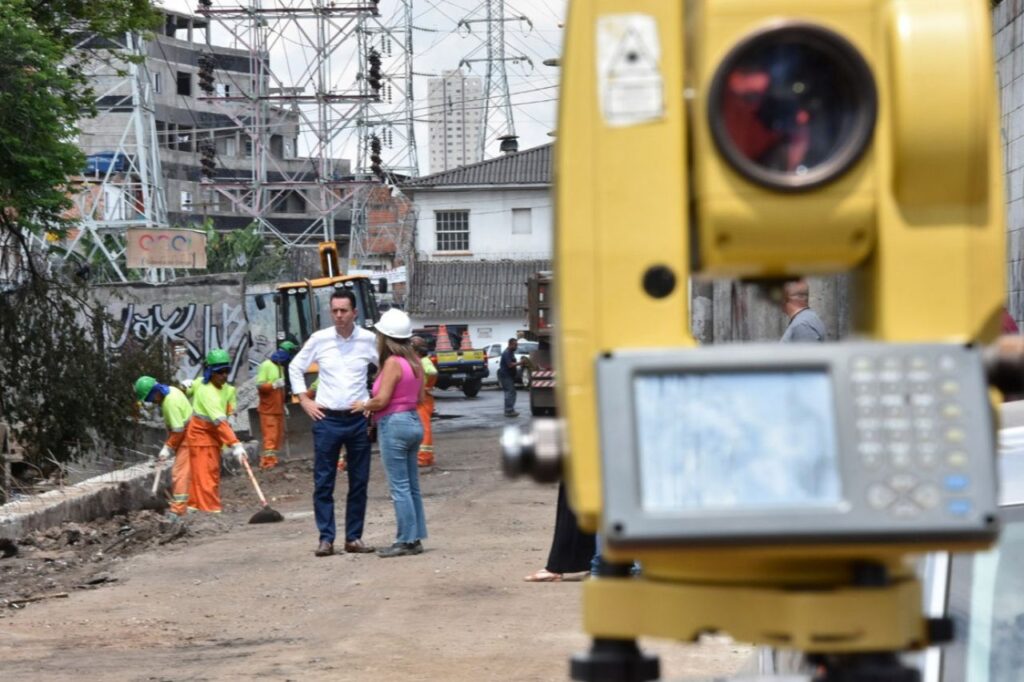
(357, 547)
(325, 549)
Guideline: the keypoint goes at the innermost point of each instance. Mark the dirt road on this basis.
(252, 602)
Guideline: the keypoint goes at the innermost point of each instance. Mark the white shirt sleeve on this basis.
(299, 364)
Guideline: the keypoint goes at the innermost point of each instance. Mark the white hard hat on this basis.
(394, 323)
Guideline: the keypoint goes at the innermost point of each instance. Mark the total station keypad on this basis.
(911, 433)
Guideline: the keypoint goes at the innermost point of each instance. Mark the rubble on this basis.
(43, 562)
(52, 562)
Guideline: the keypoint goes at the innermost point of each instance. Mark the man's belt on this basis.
(344, 414)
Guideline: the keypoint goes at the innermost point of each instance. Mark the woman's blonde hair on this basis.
(391, 347)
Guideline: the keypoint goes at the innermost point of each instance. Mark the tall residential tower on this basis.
(456, 114)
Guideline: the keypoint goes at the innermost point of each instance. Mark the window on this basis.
(158, 82)
(231, 146)
(522, 221)
(452, 228)
(222, 89)
(186, 201)
(184, 79)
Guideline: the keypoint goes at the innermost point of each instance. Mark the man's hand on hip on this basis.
(311, 408)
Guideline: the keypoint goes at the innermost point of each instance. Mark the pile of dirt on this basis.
(50, 564)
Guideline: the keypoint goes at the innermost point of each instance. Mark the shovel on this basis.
(156, 480)
(154, 502)
(266, 514)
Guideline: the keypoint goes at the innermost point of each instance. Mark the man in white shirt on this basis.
(343, 354)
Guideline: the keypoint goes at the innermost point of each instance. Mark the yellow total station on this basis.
(766, 140)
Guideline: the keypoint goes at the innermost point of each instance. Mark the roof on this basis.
(471, 288)
(528, 167)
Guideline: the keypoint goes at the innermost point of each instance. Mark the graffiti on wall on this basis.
(190, 330)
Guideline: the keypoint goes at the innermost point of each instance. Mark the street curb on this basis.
(98, 497)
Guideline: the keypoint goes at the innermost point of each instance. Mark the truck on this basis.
(540, 379)
(304, 306)
(457, 368)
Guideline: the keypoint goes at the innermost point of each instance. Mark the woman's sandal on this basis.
(543, 576)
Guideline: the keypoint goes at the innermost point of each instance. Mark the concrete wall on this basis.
(1008, 26)
(490, 222)
(192, 315)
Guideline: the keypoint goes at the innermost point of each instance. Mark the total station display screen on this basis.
(739, 441)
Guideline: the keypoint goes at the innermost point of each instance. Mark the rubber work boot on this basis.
(425, 459)
(341, 463)
(268, 462)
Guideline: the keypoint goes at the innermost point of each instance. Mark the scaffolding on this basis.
(122, 185)
(311, 60)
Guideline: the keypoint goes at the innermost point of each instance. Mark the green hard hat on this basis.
(288, 346)
(218, 356)
(143, 386)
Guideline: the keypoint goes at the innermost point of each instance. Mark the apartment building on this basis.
(456, 115)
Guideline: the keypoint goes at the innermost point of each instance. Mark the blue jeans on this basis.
(508, 385)
(329, 434)
(400, 436)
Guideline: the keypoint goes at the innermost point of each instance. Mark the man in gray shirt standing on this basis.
(804, 323)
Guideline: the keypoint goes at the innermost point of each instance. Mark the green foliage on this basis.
(43, 91)
(60, 389)
(58, 385)
(244, 250)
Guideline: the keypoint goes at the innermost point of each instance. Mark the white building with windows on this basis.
(456, 114)
(481, 230)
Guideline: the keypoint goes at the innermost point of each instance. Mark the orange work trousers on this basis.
(204, 487)
(181, 479)
(272, 426)
(425, 409)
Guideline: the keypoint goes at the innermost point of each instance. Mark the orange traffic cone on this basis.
(443, 342)
(465, 343)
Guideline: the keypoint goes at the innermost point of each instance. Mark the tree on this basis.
(62, 391)
(44, 90)
(59, 386)
(245, 251)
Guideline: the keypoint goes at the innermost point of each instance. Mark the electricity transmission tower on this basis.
(122, 185)
(331, 77)
(498, 123)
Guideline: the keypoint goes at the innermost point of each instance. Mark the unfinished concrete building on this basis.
(190, 122)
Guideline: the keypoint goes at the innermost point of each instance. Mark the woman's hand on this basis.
(360, 406)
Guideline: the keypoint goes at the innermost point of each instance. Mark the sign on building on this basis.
(184, 249)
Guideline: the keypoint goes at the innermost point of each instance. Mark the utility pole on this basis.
(498, 123)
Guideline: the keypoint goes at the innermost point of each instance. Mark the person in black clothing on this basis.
(507, 377)
(572, 550)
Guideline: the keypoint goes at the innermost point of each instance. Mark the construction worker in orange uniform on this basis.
(177, 413)
(209, 431)
(270, 383)
(425, 457)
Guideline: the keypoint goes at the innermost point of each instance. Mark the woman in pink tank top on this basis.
(397, 390)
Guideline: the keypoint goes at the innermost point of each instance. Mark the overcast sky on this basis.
(438, 45)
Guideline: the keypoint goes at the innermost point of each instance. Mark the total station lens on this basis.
(793, 107)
